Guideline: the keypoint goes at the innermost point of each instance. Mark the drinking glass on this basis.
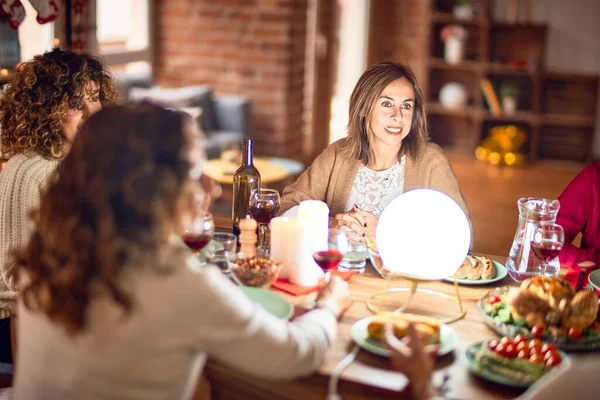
(222, 251)
(329, 258)
(198, 230)
(264, 206)
(547, 242)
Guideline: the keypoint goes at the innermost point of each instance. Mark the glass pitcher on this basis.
(522, 262)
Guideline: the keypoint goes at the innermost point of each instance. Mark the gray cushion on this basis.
(190, 96)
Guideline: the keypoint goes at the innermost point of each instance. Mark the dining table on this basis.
(370, 376)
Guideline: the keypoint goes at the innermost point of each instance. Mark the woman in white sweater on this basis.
(111, 306)
(40, 113)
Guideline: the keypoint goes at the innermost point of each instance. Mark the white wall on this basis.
(573, 38)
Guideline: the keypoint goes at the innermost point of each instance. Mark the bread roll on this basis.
(461, 273)
(489, 269)
(475, 272)
(429, 327)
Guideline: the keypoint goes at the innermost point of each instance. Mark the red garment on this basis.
(580, 212)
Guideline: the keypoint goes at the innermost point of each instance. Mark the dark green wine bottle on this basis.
(245, 180)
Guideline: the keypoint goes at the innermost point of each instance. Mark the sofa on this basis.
(225, 120)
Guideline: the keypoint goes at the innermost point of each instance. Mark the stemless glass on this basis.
(222, 251)
(198, 230)
(547, 242)
(264, 206)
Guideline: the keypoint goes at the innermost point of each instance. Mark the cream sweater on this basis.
(330, 178)
(21, 180)
(159, 350)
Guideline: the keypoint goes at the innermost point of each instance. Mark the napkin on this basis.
(286, 286)
(572, 275)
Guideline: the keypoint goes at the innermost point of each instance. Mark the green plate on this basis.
(489, 375)
(501, 273)
(274, 304)
(448, 339)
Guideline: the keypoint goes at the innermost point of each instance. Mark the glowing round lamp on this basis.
(423, 235)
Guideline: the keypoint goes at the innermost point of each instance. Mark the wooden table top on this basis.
(222, 171)
(370, 376)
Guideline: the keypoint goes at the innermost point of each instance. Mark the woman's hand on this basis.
(361, 222)
(412, 359)
(336, 294)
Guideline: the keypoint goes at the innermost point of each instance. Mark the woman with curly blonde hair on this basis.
(40, 113)
(112, 305)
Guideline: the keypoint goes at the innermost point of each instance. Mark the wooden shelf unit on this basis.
(558, 110)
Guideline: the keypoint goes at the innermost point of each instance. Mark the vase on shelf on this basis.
(454, 50)
(509, 105)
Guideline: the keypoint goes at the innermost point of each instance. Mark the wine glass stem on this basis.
(262, 232)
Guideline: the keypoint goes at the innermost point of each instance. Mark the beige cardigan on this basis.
(331, 176)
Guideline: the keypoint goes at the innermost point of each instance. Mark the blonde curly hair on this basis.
(34, 106)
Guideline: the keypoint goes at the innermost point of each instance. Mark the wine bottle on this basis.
(245, 180)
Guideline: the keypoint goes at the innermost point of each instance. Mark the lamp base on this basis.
(413, 289)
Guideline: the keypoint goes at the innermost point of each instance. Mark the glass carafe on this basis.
(522, 262)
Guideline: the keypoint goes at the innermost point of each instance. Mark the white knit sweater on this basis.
(21, 180)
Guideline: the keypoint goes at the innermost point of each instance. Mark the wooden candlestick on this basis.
(248, 237)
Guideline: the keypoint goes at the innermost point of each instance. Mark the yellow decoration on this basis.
(503, 146)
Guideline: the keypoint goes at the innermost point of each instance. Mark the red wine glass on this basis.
(328, 259)
(264, 206)
(198, 231)
(547, 242)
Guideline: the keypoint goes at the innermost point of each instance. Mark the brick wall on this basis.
(254, 48)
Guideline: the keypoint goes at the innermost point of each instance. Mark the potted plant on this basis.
(454, 38)
(510, 96)
(463, 10)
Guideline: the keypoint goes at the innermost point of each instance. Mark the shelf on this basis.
(502, 68)
(518, 116)
(438, 109)
(449, 18)
(569, 120)
(466, 65)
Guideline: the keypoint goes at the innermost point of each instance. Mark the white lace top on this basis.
(374, 190)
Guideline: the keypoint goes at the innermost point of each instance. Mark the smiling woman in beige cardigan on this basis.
(386, 153)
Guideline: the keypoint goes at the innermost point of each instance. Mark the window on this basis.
(33, 37)
(123, 34)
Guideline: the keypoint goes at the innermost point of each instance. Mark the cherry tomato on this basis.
(536, 358)
(575, 333)
(535, 343)
(494, 300)
(523, 346)
(506, 340)
(524, 355)
(535, 350)
(520, 338)
(553, 361)
(547, 347)
(537, 331)
(493, 344)
(550, 354)
(500, 349)
(511, 351)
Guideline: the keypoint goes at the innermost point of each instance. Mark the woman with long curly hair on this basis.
(112, 306)
(40, 114)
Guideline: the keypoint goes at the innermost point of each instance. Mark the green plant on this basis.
(462, 2)
(508, 90)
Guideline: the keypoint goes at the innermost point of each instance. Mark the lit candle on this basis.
(291, 246)
(315, 214)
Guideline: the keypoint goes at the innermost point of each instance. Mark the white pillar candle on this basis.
(315, 214)
(290, 245)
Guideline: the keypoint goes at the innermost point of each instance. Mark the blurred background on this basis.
(512, 85)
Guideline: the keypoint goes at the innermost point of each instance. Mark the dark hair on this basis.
(114, 201)
(368, 88)
(34, 106)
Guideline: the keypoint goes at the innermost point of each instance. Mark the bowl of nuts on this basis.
(256, 271)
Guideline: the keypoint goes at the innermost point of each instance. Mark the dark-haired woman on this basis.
(386, 153)
(111, 306)
(40, 114)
